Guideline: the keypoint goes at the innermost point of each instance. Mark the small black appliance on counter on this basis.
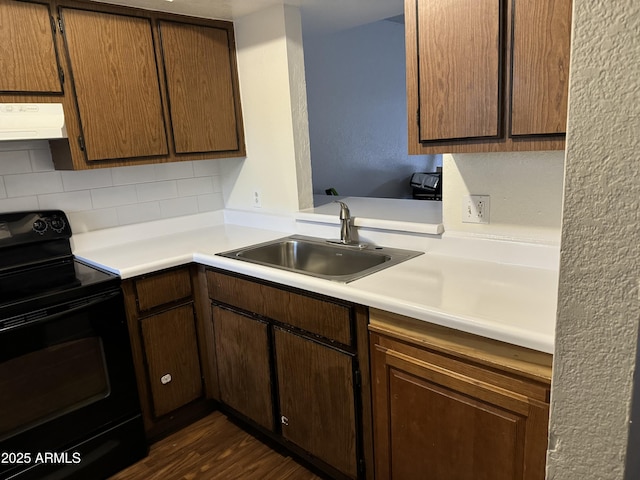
(427, 185)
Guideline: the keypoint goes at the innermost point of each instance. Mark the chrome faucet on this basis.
(345, 221)
(345, 229)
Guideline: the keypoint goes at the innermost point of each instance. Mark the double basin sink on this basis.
(321, 258)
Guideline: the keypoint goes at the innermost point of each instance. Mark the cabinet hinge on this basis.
(60, 25)
(361, 468)
(418, 118)
(358, 378)
(81, 142)
(61, 74)
(53, 24)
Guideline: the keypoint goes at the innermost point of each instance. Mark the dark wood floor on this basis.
(214, 448)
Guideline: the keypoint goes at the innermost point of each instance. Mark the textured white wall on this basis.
(599, 298)
(105, 197)
(271, 77)
(358, 112)
(299, 113)
(525, 192)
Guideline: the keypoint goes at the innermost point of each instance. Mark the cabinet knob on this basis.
(284, 420)
(165, 379)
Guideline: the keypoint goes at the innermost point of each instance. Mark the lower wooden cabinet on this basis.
(167, 340)
(449, 405)
(292, 363)
(317, 401)
(242, 350)
(173, 367)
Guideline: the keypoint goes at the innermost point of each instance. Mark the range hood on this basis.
(30, 121)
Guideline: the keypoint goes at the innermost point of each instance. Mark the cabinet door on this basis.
(29, 61)
(242, 351)
(171, 349)
(197, 68)
(116, 83)
(459, 69)
(316, 392)
(540, 83)
(435, 423)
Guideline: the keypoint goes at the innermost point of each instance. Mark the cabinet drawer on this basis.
(163, 288)
(314, 315)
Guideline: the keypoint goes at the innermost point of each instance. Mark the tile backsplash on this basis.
(106, 197)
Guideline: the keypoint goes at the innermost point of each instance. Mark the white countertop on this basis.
(504, 301)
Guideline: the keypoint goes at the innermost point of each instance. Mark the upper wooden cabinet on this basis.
(137, 86)
(539, 91)
(116, 86)
(459, 94)
(488, 75)
(198, 70)
(27, 49)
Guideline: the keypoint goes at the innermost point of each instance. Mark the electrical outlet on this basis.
(475, 209)
(257, 199)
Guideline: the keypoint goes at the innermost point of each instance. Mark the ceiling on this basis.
(318, 16)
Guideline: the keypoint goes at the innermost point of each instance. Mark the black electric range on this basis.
(68, 396)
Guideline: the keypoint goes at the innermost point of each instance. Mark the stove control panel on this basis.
(18, 228)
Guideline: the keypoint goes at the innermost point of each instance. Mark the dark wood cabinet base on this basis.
(295, 366)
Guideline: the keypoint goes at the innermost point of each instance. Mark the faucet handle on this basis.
(344, 210)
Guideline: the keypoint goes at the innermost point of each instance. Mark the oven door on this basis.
(66, 374)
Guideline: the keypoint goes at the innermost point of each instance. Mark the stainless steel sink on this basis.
(319, 258)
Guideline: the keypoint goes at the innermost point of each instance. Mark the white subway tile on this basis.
(179, 206)
(206, 168)
(195, 186)
(33, 184)
(19, 203)
(89, 220)
(16, 161)
(114, 196)
(67, 201)
(174, 171)
(86, 179)
(134, 174)
(41, 160)
(211, 202)
(217, 183)
(138, 213)
(148, 192)
(104, 198)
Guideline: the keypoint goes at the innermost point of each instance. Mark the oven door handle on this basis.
(42, 316)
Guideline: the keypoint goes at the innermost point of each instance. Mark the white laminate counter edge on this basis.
(393, 215)
(380, 224)
(540, 341)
